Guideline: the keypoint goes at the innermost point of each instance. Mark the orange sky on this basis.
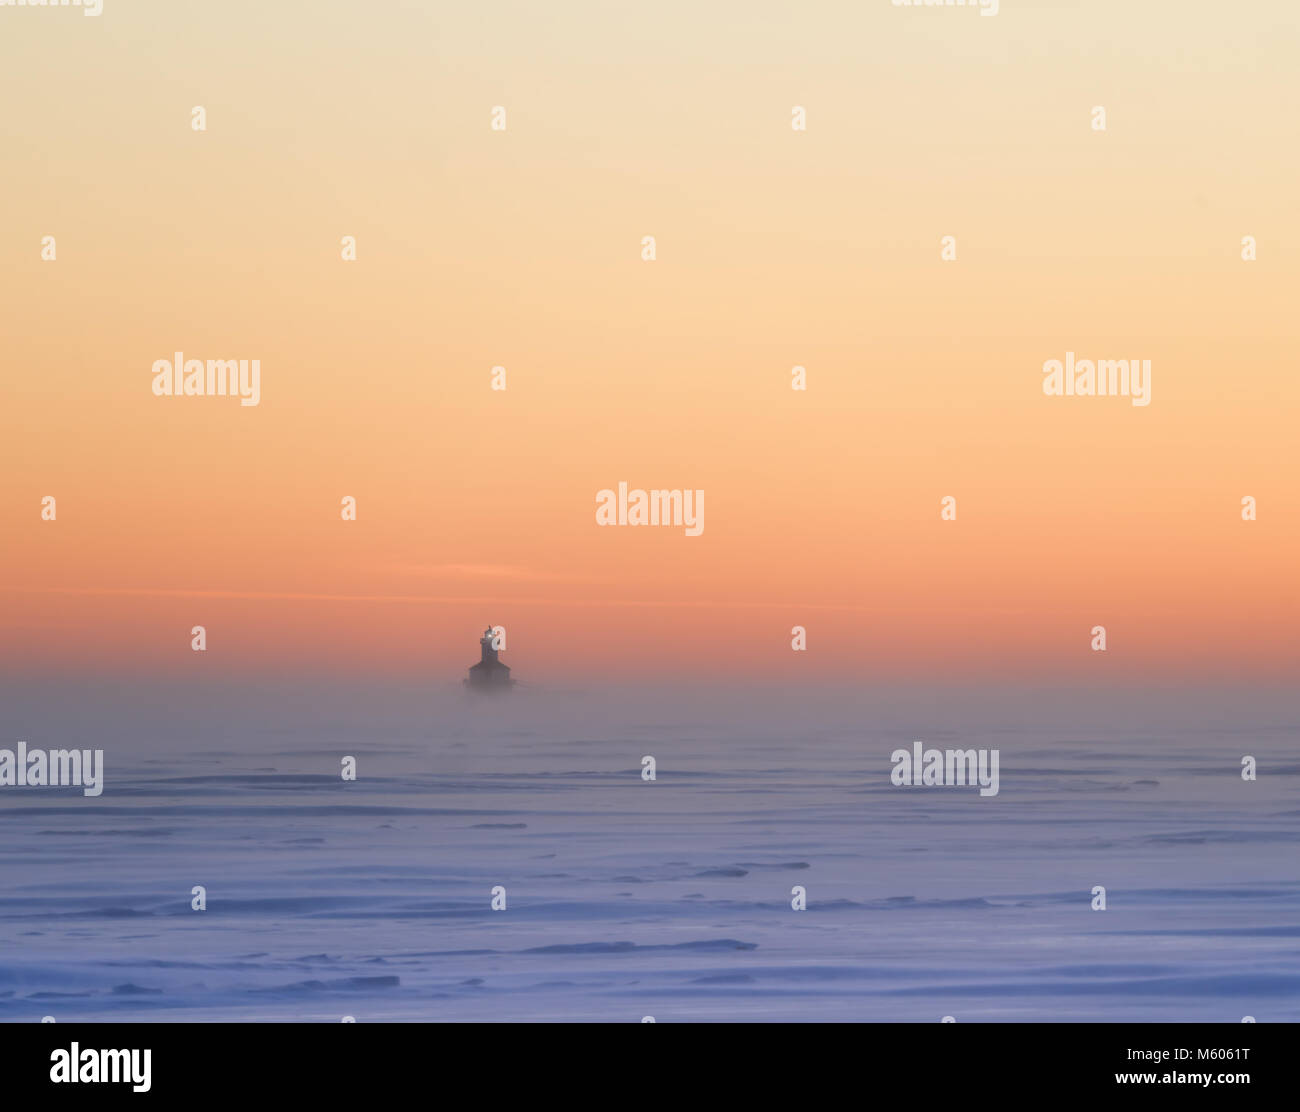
(522, 248)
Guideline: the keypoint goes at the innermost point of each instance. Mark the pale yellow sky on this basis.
(775, 248)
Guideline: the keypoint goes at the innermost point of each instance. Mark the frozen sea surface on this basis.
(626, 898)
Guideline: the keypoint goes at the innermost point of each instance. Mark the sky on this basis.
(775, 248)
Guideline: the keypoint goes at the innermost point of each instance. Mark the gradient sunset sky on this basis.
(776, 248)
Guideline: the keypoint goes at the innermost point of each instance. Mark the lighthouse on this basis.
(489, 674)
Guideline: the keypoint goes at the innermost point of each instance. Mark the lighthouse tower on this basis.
(489, 674)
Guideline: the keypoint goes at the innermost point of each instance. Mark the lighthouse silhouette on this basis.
(489, 674)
